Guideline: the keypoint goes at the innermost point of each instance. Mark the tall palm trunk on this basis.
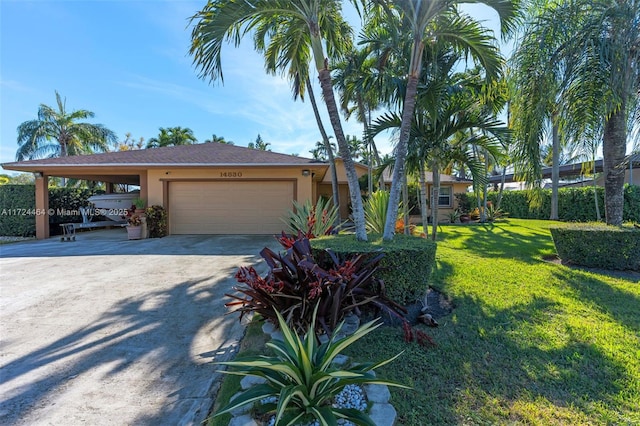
(352, 177)
(405, 205)
(501, 191)
(327, 147)
(324, 75)
(555, 169)
(373, 149)
(613, 151)
(436, 198)
(408, 109)
(422, 177)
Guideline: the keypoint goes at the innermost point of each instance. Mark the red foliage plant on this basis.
(295, 284)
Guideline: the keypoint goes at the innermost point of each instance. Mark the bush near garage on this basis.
(574, 204)
(405, 268)
(15, 203)
(156, 221)
(597, 245)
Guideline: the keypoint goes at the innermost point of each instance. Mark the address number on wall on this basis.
(230, 174)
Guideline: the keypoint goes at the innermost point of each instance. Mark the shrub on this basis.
(296, 283)
(404, 270)
(311, 220)
(16, 201)
(66, 203)
(156, 221)
(303, 378)
(574, 204)
(598, 245)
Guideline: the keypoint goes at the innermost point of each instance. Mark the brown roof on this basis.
(429, 176)
(185, 155)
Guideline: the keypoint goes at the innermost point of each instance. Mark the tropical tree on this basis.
(259, 144)
(219, 139)
(172, 136)
(129, 143)
(314, 24)
(426, 22)
(590, 47)
(58, 133)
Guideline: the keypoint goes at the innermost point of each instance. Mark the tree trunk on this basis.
(436, 198)
(352, 177)
(327, 147)
(555, 170)
(405, 205)
(423, 199)
(483, 211)
(613, 149)
(408, 109)
(501, 191)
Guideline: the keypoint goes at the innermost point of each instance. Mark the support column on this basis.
(42, 207)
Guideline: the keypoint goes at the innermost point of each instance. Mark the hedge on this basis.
(16, 202)
(17, 207)
(574, 204)
(598, 245)
(405, 268)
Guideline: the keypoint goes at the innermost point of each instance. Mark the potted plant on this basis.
(134, 227)
(139, 204)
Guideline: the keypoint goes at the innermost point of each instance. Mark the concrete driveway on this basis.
(105, 331)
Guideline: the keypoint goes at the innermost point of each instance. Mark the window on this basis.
(444, 198)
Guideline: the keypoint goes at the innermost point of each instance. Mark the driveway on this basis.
(105, 331)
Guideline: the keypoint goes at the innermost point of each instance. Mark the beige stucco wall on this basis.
(158, 176)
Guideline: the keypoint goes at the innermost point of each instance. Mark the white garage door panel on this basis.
(229, 207)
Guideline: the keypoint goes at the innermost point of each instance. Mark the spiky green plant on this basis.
(375, 211)
(312, 220)
(304, 379)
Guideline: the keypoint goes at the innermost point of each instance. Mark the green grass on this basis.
(528, 342)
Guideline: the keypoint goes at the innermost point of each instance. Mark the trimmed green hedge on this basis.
(405, 268)
(18, 202)
(598, 245)
(574, 204)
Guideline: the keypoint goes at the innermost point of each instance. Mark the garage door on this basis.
(229, 207)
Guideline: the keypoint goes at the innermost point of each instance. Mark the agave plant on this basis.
(303, 378)
(312, 220)
(296, 283)
(375, 211)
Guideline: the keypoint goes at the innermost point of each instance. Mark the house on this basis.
(579, 170)
(449, 185)
(208, 188)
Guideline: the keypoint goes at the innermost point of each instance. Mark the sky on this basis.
(127, 61)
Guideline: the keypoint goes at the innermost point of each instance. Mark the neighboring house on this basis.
(209, 188)
(449, 185)
(579, 171)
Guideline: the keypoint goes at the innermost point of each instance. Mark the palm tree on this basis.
(218, 139)
(314, 24)
(591, 48)
(437, 20)
(172, 136)
(259, 144)
(57, 133)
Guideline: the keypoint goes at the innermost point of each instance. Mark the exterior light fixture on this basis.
(306, 172)
(37, 175)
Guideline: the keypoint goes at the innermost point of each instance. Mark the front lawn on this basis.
(528, 342)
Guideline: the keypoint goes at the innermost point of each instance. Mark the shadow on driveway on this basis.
(117, 337)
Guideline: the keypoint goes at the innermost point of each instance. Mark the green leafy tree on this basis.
(259, 144)
(172, 136)
(317, 25)
(589, 49)
(219, 139)
(426, 22)
(59, 133)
